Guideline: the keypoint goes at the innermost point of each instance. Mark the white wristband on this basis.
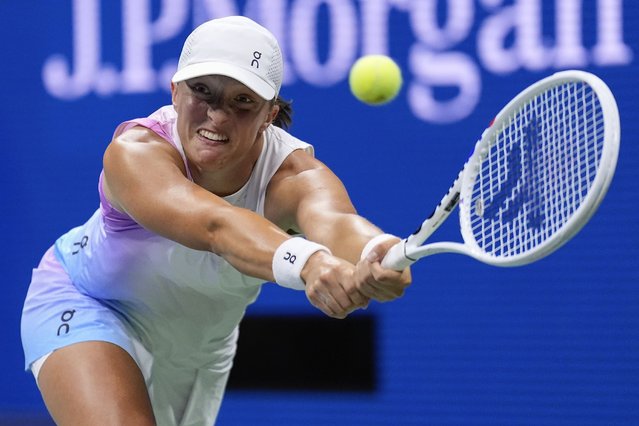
(373, 242)
(289, 260)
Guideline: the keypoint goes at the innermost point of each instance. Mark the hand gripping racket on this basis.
(536, 176)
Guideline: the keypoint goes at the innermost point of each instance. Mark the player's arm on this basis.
(145, 177)
(307, 197)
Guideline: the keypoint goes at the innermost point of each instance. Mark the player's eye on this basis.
(244, 99)
(199, 89)
(244, 102)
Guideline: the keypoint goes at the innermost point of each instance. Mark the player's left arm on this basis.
(305, 196)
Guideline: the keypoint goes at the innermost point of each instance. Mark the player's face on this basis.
(220, 122)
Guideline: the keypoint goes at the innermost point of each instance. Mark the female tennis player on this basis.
(132, 317)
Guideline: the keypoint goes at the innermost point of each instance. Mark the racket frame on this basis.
(410, 249)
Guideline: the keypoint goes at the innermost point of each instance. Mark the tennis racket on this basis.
(534, 179)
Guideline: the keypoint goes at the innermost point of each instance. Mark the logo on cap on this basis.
(256, 57)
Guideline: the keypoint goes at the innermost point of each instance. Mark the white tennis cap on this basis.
(236, 47)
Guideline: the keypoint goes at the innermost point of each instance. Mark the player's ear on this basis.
(173, 92)
(272, 114)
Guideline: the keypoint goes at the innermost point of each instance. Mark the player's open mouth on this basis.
(215, 137)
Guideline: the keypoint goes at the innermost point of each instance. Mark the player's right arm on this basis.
(145, 177)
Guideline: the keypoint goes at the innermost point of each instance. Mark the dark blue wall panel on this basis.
(556, 342)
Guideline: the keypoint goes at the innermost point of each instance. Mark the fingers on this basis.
(388, 284)
(378, 283)
(331, 288)
(329, 305)
(337, 287)
(337, 298)
(377, 253)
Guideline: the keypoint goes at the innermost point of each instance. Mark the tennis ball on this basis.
(375, 79)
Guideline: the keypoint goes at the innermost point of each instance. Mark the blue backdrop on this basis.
(556, 342)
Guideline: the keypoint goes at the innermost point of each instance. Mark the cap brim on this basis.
(244, 76)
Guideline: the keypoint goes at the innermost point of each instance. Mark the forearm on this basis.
(197, 219)
(247, 241)
(345, 234)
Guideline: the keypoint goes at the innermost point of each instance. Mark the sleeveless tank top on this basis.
(182, 304)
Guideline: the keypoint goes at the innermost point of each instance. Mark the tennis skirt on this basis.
(56, 315)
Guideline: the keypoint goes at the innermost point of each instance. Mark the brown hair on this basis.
(284, 117)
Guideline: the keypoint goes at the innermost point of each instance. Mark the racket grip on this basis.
(396, 259)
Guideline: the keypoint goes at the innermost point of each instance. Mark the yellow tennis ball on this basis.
(375, 79)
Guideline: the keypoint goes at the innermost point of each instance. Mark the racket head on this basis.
(541, 170)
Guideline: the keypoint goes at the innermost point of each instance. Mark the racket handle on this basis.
(396, 259)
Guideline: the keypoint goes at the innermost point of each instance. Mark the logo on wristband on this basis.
(291, 258)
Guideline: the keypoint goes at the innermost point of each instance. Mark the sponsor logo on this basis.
(65, 327)
(455, 43)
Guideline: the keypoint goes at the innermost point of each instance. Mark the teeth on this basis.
(212, 136)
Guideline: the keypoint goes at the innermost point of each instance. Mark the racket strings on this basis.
(538, 170)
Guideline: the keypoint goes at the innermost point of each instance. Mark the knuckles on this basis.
(333, 279)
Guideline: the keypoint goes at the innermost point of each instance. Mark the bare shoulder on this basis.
(134, 154)
(297, 162)
(300, 173)
(302, 179)
(139, 141)
(140, 135)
